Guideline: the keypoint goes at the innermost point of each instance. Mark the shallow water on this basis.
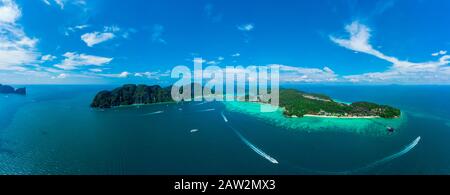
(374, 127)
(53, 131)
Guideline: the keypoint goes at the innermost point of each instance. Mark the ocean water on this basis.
(53, 131)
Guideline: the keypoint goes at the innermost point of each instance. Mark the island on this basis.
(132, 94)
(299, 104)
(6, 89)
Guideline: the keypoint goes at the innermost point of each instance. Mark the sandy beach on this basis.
(343, 117)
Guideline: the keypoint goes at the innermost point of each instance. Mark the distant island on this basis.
(132, 94)
(299, 104)
(294, 103)
(6, 89)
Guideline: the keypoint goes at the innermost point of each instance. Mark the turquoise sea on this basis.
(53, 130)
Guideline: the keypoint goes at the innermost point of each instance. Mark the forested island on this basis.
(294, 103)
(6, 89)
(298, 104)
(132, 94)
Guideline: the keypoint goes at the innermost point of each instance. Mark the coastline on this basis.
(133, 105)
(342, 117)
(367, 125)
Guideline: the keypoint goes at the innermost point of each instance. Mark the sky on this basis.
(140, 41)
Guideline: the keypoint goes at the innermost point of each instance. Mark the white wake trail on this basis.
(408, 148)
(207, 110)
(224, 117)
(153, 113)
(200, 103)
(249, 144)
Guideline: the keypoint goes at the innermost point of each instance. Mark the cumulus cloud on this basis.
(74, 61)
(236, 55)
(246, 27)
(16, 48)
(108, 33)
(442, 52)
(401, 70)
(123, 75)
(95, 38)
(9, 11)
(48, 58)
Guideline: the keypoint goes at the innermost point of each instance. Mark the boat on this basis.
(390, 129)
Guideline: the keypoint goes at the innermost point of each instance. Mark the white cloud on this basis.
(73, 61)
(95, 38)
(60, 76)
(246, 27)
(48, 58)
(309, 75)
(17, 50)
(96, 70)
(73, 29)
(220, 58)
(236, 55)
(108, 33)
(46, 2)
(400, 71)
(9, 11)
(62, 3)
(124, 75)
(442, 52)
(212, 62)
(153, 75)
(198, 60)
(158, 30)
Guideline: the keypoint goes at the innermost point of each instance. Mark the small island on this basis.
(6, 89)
(299, 104)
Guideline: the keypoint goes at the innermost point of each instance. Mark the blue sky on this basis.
(140, 41)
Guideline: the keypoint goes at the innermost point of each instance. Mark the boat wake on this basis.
(153, 113)
(206, 110)
(200, 103)
(224, 117)
(387, 159)
(408, 148)
(249, 144)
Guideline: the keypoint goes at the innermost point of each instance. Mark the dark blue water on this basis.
(53, 131)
